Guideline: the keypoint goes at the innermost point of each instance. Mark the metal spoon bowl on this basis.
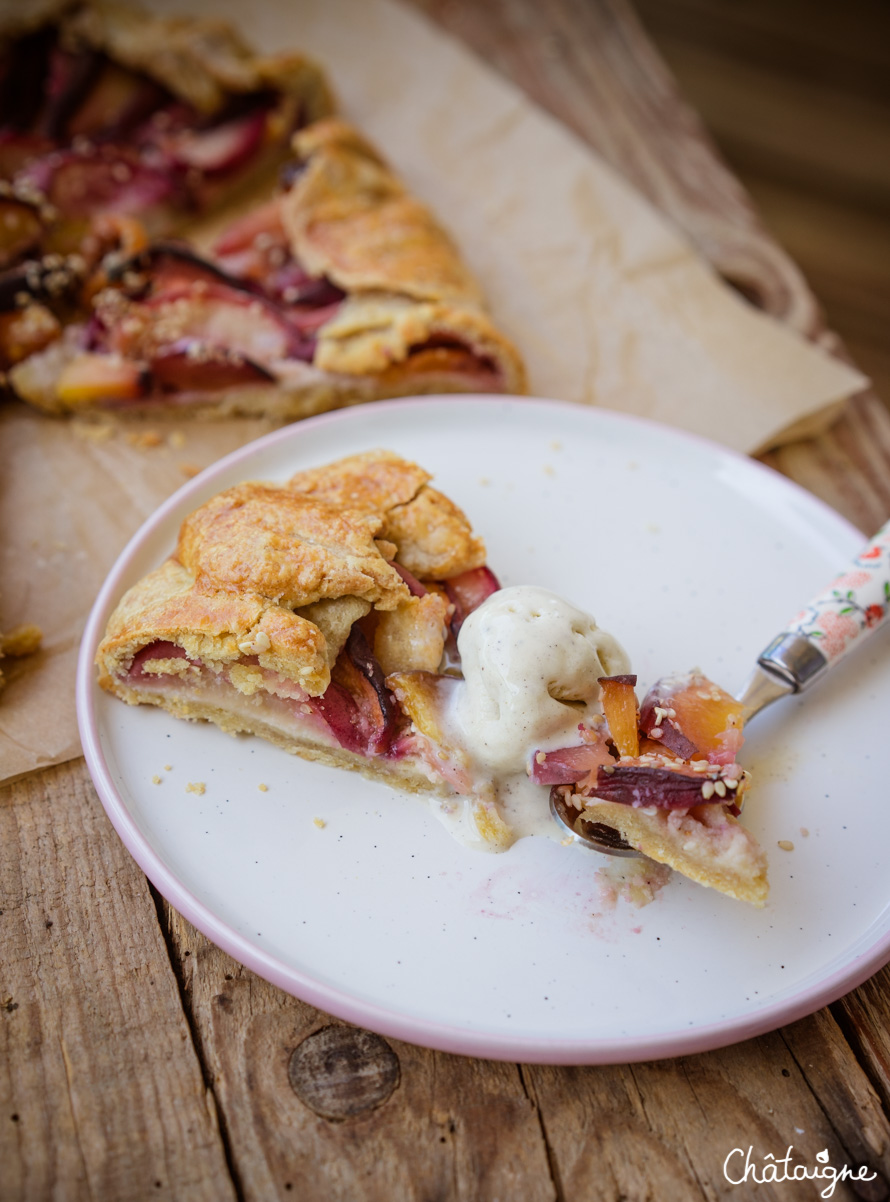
(595, 835)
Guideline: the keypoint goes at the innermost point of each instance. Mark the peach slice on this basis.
(693, 717)
(89, 378)
(620, 707)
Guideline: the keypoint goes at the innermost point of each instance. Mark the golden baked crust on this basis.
(293, 549)
(349, 218)
(370, 482)
(279, 575)
(215, 628)
(432, 535)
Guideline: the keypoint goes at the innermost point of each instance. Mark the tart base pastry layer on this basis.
(705, 844)
(235, 719)
(37, 380)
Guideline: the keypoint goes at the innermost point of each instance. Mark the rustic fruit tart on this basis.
(340, 290)
(319, 615)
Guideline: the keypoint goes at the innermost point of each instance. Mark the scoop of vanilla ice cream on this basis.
(526, 654)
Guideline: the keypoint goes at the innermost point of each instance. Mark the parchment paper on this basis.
(606, 301)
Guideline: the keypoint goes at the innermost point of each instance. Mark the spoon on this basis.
(852, 607)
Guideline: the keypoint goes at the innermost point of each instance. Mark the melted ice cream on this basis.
(531, 662)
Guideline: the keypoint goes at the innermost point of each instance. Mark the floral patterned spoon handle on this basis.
(853, 605)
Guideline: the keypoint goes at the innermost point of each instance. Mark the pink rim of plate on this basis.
(460, 1040)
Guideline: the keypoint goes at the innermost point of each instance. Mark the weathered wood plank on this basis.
(850, 1102)
(101, 1093)
(864, 1015)
(663, 1130)
(97, 1061)
(435, 1126)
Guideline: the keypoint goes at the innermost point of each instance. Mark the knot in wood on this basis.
(339, 1072)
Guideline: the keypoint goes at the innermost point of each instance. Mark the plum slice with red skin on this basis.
(158, 650)
(103, 179)
(568, 765)
(356, 705)
(175, 368)
(664, 729)
(694, 718)
(169, 272)
(264, 221)
(359, 651)
(315, 293)
(340, 711)
(666, 788)
(417, 589)
(309, 321)
(218, 148)
(256, 248)
(173, 268)
(467, 591)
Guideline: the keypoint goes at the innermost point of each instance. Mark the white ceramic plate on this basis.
(691, 555)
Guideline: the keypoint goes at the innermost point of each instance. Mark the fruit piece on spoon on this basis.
(694, 718)
(622, 715)
(674, 793)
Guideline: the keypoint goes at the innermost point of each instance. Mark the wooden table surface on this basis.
(139, 1061)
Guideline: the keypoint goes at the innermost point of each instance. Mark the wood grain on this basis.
(592, 67)
(452, 1128)
(663, 1130)
(101, 1094)
(864, 1016)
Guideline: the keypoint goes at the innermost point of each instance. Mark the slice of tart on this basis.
(293, 611)
(343, 289)
(666, 778)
